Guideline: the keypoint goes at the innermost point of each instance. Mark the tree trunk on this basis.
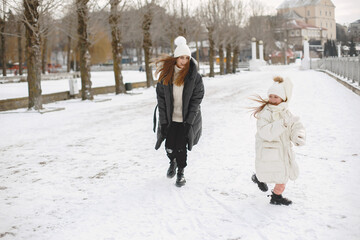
(33, 53)
(44, 53)
(139, 55)
(76, 61)
(68, 67)
(211, 52)
(147, 46)
(116, 46)
(3, 46)
(235, 59)
(197, 54)
(83, 46)
(228, 59)
(20, 51)
(221, 59)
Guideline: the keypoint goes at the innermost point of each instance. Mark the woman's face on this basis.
(274, 99)
(182, 61)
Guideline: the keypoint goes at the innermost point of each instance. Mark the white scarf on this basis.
(277, 111)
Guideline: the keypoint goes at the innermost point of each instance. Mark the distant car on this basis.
(53, 68)
(15, 67)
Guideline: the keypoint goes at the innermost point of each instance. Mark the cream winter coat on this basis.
(277, 131)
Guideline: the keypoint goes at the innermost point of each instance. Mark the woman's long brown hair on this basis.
(165, 66)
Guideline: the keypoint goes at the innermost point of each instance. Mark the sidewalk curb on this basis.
(346, 84)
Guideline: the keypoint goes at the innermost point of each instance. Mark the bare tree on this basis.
(131, 29)
(116, 43)
(147, 9)
(236, 20)
(259, 25)
(68, 64)
(209, 13)
(30, 12)
(221, 57)
(3, 17)
(45, 24)
(221, 31)
(32, 34)
(198, 32)
(171, 23)
(44, 52)
(256, 8)
(15, 31)
(20, 49)
(179, 22)
(83, 45)
(67, 27)
(228, 8)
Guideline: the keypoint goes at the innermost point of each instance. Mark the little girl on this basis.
(277, 130)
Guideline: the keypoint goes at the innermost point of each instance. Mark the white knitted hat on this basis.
(182, 48)
(282, 88)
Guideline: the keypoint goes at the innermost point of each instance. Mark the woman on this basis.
(180, 91)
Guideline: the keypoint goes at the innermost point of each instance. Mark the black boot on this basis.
(180, 179)
(172, 169)
(262, 186)
(279, 200)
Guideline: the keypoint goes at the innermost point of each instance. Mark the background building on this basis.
(318, 13)
(354, 31)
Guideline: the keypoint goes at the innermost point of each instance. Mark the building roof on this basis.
(298, 24)
(299, 3)
(289, 53)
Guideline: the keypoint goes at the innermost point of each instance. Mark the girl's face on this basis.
(182, 61)
(275, 99)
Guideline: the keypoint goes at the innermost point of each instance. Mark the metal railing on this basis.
(346, 67)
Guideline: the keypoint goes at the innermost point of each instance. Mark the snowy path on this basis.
(91, 171)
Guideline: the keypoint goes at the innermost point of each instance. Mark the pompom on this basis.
(278, 79)
(180, 41)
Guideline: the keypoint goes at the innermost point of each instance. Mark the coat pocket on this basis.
(270, 152)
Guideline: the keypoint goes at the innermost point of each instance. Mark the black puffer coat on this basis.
(193, 94)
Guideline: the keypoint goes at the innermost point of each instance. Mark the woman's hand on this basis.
(186, 129)
(164, 130)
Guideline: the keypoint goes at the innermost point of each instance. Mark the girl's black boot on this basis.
(262, 186)
(279, 200)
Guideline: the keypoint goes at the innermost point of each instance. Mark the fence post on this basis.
(347, 68)
(353, 70)
(358, 68)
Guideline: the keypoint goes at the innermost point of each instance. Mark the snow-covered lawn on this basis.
(99, 79)
(91, 171)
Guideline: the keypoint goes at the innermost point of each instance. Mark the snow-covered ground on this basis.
(98, 79)
(91, 171)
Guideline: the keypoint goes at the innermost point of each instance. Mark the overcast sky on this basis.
(346, 11)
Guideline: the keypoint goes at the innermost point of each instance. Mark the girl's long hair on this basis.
(262, 101)
(165, 66)
(258, 109)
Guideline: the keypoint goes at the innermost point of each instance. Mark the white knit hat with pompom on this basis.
(282, 88)
(181, 47)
